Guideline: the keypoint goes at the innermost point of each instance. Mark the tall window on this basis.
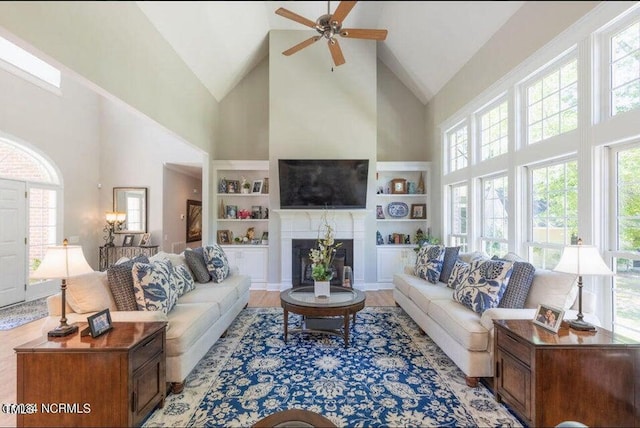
(624, 66)
(458, 143)
(459, 216)
(554, 212)
(626, 283)
(495, 217)
(552, 103)
(494, 131)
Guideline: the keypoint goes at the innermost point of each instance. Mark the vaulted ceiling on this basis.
(427, 44)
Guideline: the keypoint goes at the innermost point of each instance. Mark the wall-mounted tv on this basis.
(323, 183)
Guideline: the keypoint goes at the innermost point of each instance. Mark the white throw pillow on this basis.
(552, 289)
(89, 293)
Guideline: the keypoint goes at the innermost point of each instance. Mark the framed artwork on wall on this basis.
(194, 220)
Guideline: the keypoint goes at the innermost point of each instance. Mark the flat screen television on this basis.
(323, 183)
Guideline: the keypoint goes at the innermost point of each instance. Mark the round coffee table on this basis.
(317, 312)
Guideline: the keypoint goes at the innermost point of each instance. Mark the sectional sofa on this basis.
(204, 305)
(466, 335)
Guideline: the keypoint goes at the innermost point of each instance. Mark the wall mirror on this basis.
(133, 202)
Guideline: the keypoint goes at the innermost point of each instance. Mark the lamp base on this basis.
(581, 325)
(62, 330)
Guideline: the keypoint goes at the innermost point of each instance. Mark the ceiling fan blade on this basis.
(300, 46)
(342, 11)
(336, 52)
(363, 33)
(295, 17)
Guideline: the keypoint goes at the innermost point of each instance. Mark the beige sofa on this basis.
(466, 336)
(199, 318)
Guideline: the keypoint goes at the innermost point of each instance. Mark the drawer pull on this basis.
(148, 342)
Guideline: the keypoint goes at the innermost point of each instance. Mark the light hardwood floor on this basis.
(9, 339)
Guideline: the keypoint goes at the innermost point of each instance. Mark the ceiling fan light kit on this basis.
(328, 26)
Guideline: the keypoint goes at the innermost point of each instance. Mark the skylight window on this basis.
(23, 60)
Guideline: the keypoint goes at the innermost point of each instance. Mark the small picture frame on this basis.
(398, 186)
(418, 211)
(224, 237)
(100, 323)
(232, 212)
(144, 241)
(549, 317)
(233, 186)
(256, 187)
(379, 212)
(256, 212)
(127, 241)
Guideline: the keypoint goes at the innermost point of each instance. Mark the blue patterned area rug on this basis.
(22, 313)
(390, 376)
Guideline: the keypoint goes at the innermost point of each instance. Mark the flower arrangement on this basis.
(322, 257)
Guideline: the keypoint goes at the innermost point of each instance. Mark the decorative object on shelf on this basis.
(233, 186)
(114, 222)
(244, 214)
(222, 211)
(265, 238)
(411, 188)
(144, 241)
(419, 211)
(127, 241)
(232, 212)
(398, 186)
(224, 237)
(549, 317)
(379, 212)
(257, 186)
(256, 212)
(194, 220)
(265, 185)
(420, 188)
(245, 186)
(582, 260)
(251, 233)
(379, 240)
(222, 185)
(62, 262)
(398, 209)
(322, 257)
(99, 323)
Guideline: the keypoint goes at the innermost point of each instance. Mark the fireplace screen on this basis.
(301, 264)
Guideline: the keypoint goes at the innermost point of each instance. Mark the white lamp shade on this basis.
(582, 260)
(62, 262)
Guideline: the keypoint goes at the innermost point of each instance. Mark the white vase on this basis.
(321, 288)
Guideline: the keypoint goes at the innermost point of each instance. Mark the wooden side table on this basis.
(547, 378)
(112, 380)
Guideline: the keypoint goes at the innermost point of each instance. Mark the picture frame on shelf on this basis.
(418, 211)
(379, 212)
(232, 212)
(549, 317)
(194, 220)
(233, 186)
(256, 212)
(399, 186)
(256, 187)
(127, 241)
(224, 237)
(145, 240)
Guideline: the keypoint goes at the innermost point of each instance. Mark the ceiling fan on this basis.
(328, 26)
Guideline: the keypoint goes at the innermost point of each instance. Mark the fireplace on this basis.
(301, 264)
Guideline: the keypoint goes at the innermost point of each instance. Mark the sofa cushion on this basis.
(519, 284)
(429, 262)
(423, 293)
(484, 286)
(216, 261)
(553, 289)
(181, 279)
(462, 324)
(89, 293)
(121, 284)
(197, 265)
(222, 295)
(187, 323)
(153, 287)
(450, 258)
(459, 273)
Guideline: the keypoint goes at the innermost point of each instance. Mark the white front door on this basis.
(13, 233)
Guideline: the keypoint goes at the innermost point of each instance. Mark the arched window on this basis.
(21, 163)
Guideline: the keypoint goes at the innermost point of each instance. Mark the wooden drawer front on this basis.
(148, 389)
(514, 383)
(148, 349)
(513, 346)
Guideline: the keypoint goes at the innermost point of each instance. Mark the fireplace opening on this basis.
(301, 263)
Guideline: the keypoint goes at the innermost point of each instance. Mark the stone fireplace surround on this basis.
(304, 224)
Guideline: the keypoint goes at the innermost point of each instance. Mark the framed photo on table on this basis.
(549, 317)
(99, 323)
(144, 241)
(127, 241)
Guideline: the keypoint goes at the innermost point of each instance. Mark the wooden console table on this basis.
(110, 255)
(112, 380)
(547, 378)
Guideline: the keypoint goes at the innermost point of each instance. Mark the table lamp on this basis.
(114, 222)
(62, 262)
(582, 260)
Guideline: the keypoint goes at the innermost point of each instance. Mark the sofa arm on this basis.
(138, 316)
(54, 305)
(409, 270)
(234, 270)
(505, 314)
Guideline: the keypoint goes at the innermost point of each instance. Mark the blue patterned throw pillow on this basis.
(217, 263)
(429, 262)
(484, 285)
(459, 274)
(181, 280)
(152, 286)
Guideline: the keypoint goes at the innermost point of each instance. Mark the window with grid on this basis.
(624, 69)
(626, 248)
(553, 213)
(458, 143)
(552, 103)
(495, 217)
(459, 216)
(494, 131)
